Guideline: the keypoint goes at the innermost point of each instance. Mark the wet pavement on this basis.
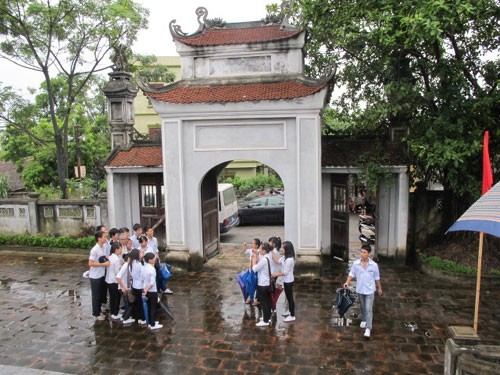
(46, 324)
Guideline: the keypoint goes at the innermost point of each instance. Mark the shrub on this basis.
(258, 182)
(448, 265)
(47, 241)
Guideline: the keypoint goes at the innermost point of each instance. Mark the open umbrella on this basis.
(484, 217)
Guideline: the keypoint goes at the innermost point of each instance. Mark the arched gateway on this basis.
(242, 96)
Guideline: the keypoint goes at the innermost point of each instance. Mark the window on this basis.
(148, 194)
(275, 202)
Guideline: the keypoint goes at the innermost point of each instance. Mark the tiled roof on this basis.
(236, 92)
(335, 153)
(8, 168)
(137, 156)
(225, 36)
(347, 152)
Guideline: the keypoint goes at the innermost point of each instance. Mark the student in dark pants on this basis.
(263, 282)
(98, 263)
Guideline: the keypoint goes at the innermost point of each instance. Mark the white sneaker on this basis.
(367, 332)
(168, 291)
(156, 326)
(100, 317)
(289, 319)
(286, 313)
(362, 325)
(116, 317)
(142, 322)
(261, 323)
(128, 321)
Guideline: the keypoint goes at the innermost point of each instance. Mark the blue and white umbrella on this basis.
(483, 215)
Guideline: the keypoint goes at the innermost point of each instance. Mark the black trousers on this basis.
(114, 298)
(97, 289)
(289, 297)
(265, 301)
(152, 302)
(137, 310)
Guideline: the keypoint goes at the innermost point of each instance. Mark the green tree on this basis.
(147, 68)
(429, 66)
(71, 39)
(28, 139)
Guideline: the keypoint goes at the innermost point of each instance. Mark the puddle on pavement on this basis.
(5, 282)
(342, 321)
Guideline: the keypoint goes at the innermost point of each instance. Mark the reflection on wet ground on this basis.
(46, 323)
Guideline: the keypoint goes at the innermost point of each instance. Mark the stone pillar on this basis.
(33, 212)
(120, 93)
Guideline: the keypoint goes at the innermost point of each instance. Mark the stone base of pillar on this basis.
(308, 264)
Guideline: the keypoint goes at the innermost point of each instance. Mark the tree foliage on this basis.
(429, 66)
(28, 139)
(70, 40)
(147, 68)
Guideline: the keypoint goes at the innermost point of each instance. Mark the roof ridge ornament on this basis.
(201, 14)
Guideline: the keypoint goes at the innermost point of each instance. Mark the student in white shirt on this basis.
(98, 264)
(112, 270)
(250, 251)
(135, 269)
(288, 263)
(367, 276)
(135, 237)
(150, 290)
(123, 280)
(263, 283)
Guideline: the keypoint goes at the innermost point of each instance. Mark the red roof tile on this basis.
(216, 37)
(138, 156)
(236, 93)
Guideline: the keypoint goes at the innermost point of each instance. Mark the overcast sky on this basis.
(157, 40)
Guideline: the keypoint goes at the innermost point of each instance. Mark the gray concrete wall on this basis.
(57, 217)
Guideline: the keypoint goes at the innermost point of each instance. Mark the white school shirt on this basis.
(123, 274)
(149, 277)
(107, 248)
(153, 244)
(135, 242)
(365, 277)
(275, 267)
(287, 265)
(136, 274)
(113, 268)
(264, 278)
(95, 253)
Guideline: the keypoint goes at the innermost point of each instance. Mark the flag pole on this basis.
(478, 279)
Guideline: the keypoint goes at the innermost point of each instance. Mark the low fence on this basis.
(33, 215)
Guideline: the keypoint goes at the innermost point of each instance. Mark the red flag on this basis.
(487, 174)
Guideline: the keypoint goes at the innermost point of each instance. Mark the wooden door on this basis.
(210, 215)
(340, 216)
(152, 203)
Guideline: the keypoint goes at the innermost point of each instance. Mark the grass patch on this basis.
(451, 266)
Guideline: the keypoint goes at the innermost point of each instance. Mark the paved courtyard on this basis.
(46, 324)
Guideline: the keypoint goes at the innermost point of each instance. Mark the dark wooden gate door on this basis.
(340, 217)
(210, 215)
(153, 204)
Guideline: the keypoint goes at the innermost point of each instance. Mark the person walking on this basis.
(288, 264)
(263, 282)
(98, 263)
(367, 276)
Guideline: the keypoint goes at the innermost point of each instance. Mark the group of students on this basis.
(125, 268)
(273, 263)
